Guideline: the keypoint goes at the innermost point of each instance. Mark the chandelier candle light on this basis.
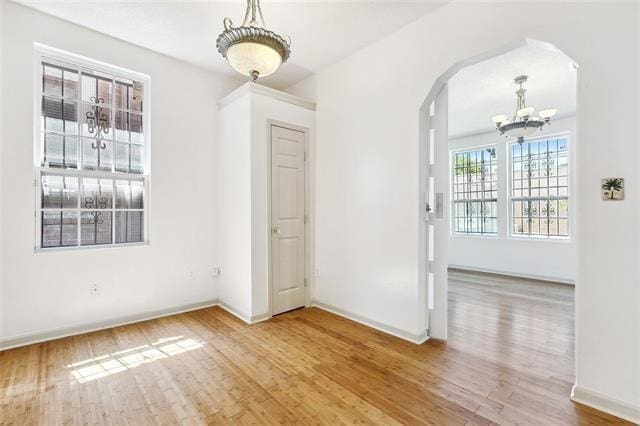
(252, 49)
(523, 122)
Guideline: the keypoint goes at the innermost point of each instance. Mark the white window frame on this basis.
(570, 212)
(452, 227)
(40, 52)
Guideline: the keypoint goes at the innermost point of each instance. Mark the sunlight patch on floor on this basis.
(109, 364)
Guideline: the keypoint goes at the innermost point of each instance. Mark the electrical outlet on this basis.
(192, 275)
(215, 271)
(94, 289)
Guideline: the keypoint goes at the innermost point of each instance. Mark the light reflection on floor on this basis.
(109, 364)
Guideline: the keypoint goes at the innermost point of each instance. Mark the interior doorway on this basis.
(500, 225)
(288, 195)
(481, 235)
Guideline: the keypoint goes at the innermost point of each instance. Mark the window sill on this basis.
(557, 240)
(95, 247)
(475, 236)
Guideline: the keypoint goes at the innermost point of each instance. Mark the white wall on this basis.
(233, 163)
(1, 150)
(244, 189)
(535, 258)
(264, 108)
(48, 291)
(367, 170)
(305, 89)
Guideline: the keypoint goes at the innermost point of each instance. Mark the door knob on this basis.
(275, 229)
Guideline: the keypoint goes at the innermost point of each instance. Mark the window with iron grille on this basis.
(540, 188)
(91, 156)
(475, 191)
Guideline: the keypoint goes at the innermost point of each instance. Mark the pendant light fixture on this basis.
(252, 49)
(523, 122)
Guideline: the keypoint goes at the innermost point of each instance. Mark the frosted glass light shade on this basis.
(525, 112)
(248, 57)
(501, 118)
(548, 113)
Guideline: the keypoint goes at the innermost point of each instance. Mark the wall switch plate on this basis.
(215, 271)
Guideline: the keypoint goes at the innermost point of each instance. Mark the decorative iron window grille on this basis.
(92, 155)
(475, 192)
(540, 188)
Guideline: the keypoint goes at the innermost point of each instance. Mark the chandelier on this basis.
(251, 49)
(523, 122)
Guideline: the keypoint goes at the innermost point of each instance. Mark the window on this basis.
(475, 191)
(540, 188)
(91, 156)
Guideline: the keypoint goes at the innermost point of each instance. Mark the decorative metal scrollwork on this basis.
(530, 210)
(549, 211)
(96, 202)
(98, 144)
(530, 165)
(97, 122)
(97, 219)
(548, 165)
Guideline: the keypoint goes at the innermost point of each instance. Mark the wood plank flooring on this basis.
(509, 360)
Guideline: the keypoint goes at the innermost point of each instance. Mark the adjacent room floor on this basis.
(509, 360)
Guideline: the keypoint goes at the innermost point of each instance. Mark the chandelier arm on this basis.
(253, 11)
(247, 13)
(520, 103)
(264, 24)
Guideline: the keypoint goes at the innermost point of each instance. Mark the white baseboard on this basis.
(259, 318)
(57, 333)
(413, 338)
(604, 403)
(514, 274)
(243, 316)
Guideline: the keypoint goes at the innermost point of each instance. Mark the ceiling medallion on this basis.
(251, 49)
(523, 122)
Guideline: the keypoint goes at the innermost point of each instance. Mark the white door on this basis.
(438, 224)
(287, 219)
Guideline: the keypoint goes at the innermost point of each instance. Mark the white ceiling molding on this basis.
(251, 87)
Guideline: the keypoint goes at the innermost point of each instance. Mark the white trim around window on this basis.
(562, 239)
(454, 232)
(113, 175)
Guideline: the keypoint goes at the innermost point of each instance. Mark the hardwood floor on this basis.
(509, 360)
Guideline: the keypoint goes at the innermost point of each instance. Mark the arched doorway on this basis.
(435, 223)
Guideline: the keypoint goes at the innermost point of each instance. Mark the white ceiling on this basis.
(480, 91)
(322, 32)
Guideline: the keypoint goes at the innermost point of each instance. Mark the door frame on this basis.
(436, 319)
(308, 234)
